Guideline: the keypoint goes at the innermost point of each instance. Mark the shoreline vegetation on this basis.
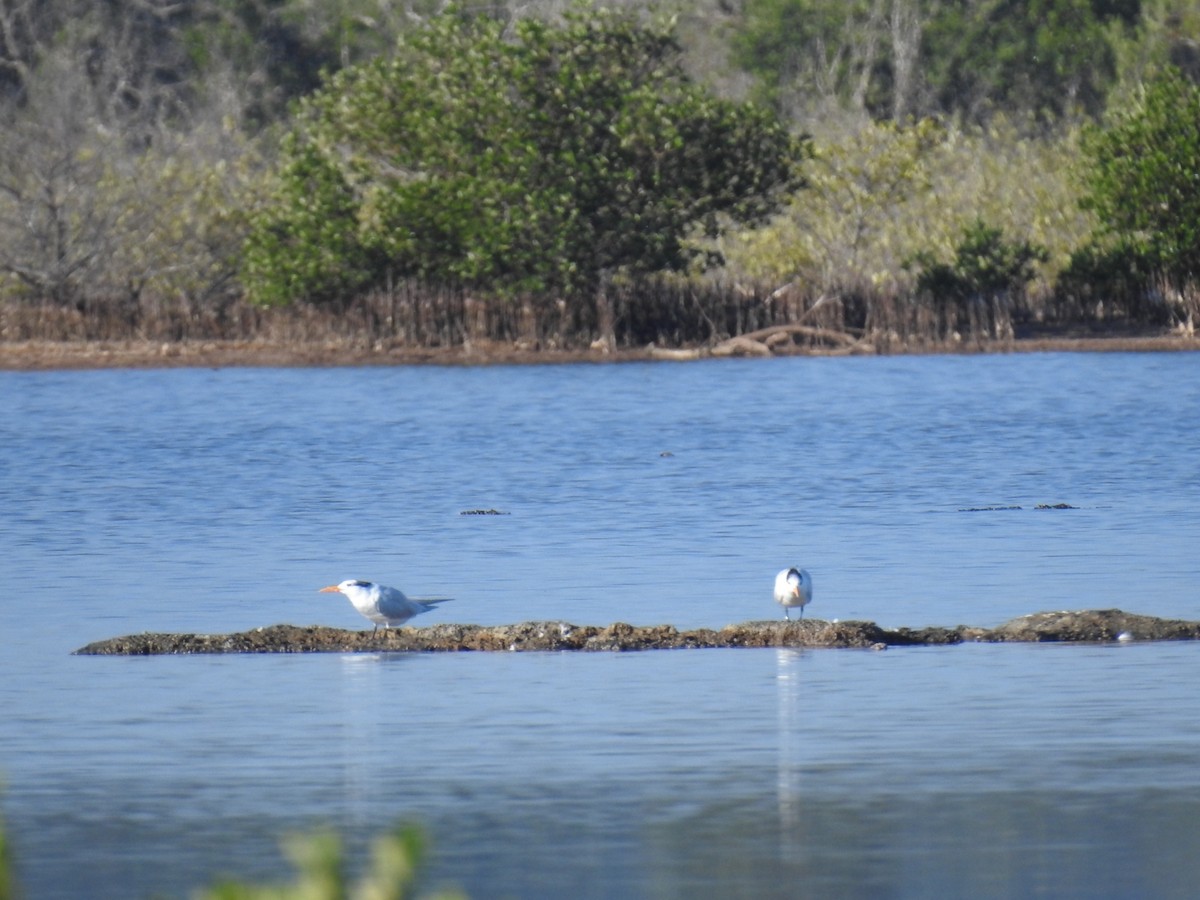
(654, 318)
(518, 183)
(134, 353)
(528, 183)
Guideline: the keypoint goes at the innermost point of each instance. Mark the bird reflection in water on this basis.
(787, 688)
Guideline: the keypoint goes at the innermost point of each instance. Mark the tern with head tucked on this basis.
(793, 587)
(381, 604)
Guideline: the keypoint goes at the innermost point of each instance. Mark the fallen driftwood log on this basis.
(1088, 626)
(763, 341)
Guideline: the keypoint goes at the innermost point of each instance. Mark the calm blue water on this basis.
(220, 500)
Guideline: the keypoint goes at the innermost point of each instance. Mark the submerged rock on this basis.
(1090, 626)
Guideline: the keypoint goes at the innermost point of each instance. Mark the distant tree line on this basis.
(904, 167)
(912, 58)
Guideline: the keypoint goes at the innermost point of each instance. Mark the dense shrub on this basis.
(1123, 281)
(1142, 175)
(542, 163)
(976, 293)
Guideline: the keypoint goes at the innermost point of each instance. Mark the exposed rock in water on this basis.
(1091, 626)
(1094, 626)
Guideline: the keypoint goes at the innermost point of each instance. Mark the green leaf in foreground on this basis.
(321, 871)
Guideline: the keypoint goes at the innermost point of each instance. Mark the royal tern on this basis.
(793, 587)
(381, 604)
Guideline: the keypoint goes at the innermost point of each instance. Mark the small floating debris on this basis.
(484, 512)
(1007, 508)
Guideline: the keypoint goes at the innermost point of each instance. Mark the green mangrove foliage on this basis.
(1140, 173)
(975, 294)
(528, 158)
(1143, 174)
(507, 172)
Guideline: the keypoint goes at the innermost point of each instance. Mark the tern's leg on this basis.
(785, 614)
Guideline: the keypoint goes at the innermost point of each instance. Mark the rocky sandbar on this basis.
(1085, 626)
